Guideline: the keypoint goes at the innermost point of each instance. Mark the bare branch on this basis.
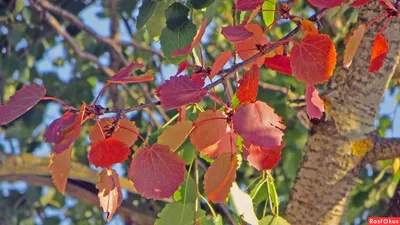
(384, 148)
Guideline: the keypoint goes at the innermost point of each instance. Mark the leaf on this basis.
(123, 76)
(359, 3)
(258, 124)
(247, 5)
(199, 4)
(242, 204)
(263, 158)
(181, 68)
(195, 42)
(70, 133)
(126, 131)
(247, 48)
(211, 136)
(219, 177)
(22, 101)
(326, 3)
(274, 195)
(110, 192)
(187, 191)
(59, 168)
(175, 135)
(353, 44)
(279, 63)
(54, 131)
(248, 85)
(273, 220)
(314, 104)
(219, 63)
(308, 27)
(378, 55)
(268, 12)
(179, 91)
(156, 22)
(236, 33)
(156, 171)
(146, 10)
(178, 213)
(313, 59)
(107, 152)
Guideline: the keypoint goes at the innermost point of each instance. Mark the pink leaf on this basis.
(178, 91)
(314, 104)
(182, 67)
(388, 5)
(156, 171)
(263, 158)
(359, 3)
(53, 133)
(247, 5)
(196, 41)
(258, 124)
(279, 63)
(22, 101)
(236, 33)
(326, 3)
(219, 63)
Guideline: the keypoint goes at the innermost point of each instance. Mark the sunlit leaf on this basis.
(268, 11)
(219, 63)
(242, 204)
(236, 33)
(178, 213)
(314, 104)
(353, 44)
(22, 101)
(126, 131)
(59, 167)
(175, 135)
(273, 220)
(182, 67)
(110, 192)
(107, 152)
(263, 158)
(248, 85)
(378, 55)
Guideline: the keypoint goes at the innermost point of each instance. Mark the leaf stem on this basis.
(196, 180)
(101, 92)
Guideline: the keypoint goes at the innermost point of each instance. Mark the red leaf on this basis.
(182, 113)
(123, 76)
(388, 5)
(156, 172)
(247, 48)
(54, 131)
(219, 177)
(196, 40)
(279, 63)
(379, 50)
(219, 63)
(70, 133)
(211, 136)
(263, 158)
(326, 3)
(59, 168)
(258, 124)
(182, 67)
(178, 91)
(359, 3)
(247, 5)
(110, 192)
(314, 104)
(248, 85)
(313, 59)
(22, 101)
(236, 33)
(199, 78)
(107, 152)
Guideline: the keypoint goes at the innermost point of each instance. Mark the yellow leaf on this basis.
(352, 45)
(59, 167)
(110, 192)
(175, 135)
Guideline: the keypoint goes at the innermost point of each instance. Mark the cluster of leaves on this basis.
(250, 127)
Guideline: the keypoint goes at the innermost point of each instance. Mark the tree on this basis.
(218, 125)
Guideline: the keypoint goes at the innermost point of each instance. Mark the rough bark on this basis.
(328, 169)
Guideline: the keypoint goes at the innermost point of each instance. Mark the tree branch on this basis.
(384, 148)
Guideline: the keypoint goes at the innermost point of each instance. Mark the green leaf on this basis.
(177, 213)
(146, 10)
(259, 192)
(274, 196)
(211, 11)
(156, 22)
(199, 4)
(273, 220)
(187, 152)
(19, 6)
(268, 13)
(176, 10)
(242, 204)
(172, 41)
(187, 191)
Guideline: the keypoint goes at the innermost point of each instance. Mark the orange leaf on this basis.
(248, 89)
(175, 135)
(122, 132)
(219, 177)
(107, 152)
(110, 192)
(313, 59)
(308, 27)
(70, 133)
(353, 44)
(379, 50)
(211, 136)
(247, 48)
(59, 167)
(219, 63)
(196, 40)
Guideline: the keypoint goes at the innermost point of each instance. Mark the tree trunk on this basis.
(328, 169)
